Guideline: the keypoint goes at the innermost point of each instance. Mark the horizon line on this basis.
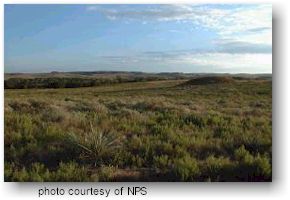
(117, 71)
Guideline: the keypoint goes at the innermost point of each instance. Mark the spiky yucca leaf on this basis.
(96, 145)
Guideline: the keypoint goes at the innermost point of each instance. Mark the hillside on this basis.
(209, 80)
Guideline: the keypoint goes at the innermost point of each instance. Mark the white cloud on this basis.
(250, 23)
(216, 61)
(229, 62)
(91, 8)
(244, 41)
(241, 47)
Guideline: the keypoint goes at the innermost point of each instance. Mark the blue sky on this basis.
(151, 38)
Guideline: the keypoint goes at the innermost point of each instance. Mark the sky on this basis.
(190, 38)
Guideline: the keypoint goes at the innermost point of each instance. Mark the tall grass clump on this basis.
(97, 147)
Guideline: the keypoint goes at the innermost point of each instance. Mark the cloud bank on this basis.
(244, 34)
(187, 38)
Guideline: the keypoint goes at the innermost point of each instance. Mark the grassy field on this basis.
(143, 131)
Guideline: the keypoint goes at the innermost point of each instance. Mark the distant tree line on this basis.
(24, 83)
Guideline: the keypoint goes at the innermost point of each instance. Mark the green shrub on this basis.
(52, 115)
(8, 171)
(252, 168)
(154, 130)
(71, 172)
(38, 173)
(137, 161)
(106, 173)
(20, 176)
(242, 155)
(18, 106)
(162, 163)
(35, 173)
(215, 168)
(195, 120)
(186, 169)
(263, 168)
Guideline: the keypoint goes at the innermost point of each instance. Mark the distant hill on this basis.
(129, 75)
(209, 80)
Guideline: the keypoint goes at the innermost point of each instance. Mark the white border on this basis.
(278, 189)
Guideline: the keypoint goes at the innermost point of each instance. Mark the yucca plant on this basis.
(97, 146)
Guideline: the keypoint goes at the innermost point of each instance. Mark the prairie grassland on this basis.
(147, 131)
